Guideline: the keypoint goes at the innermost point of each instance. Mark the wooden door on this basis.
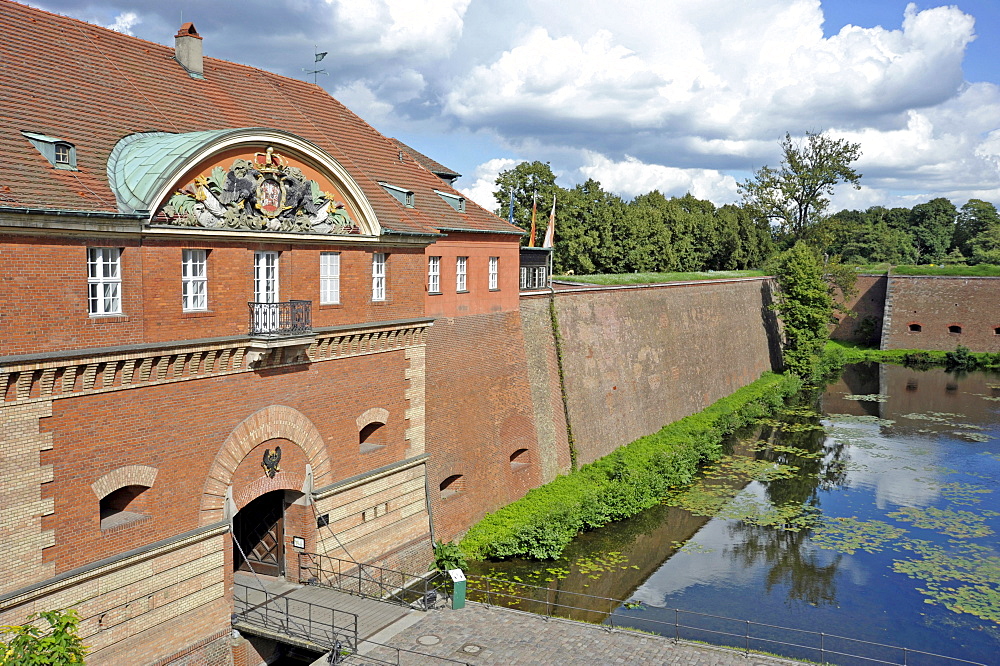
(260, 535)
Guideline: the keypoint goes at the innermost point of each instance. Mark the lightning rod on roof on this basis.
(317, 56)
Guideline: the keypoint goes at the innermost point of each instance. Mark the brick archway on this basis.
(274, 422)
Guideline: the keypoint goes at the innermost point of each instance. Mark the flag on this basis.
(534, 210)
(550, 233)
(320, 56)
(510, 213)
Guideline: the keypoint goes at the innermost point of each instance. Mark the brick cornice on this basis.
(29, 379)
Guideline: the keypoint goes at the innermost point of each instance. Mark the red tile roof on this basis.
(433, 166)
(92, 86)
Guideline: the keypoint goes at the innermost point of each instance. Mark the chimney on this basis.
(187, 50)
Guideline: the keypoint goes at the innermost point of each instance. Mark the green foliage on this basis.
(975, 218)
(972, 271)
(526, 181)
(805, 305)
(796, 194)
(28, 645)
(933, 226)
(656, 278)
(623, 483)
(447, 556)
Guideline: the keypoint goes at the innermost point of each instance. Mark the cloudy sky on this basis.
(677, 95)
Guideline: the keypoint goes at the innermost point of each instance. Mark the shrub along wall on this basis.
(623, 483)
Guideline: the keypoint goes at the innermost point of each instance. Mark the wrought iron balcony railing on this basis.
(281, 319)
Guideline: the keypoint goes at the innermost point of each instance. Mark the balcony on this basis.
(280, 326)
(293, 318)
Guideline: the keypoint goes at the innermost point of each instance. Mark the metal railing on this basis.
(280, 319)
(369, 580)
(310, 622)
(726, 632)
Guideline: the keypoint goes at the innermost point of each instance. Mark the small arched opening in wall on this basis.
(121, 496)
(451, 486)
(954, 328)
(996, 330)
(371, 429)
(914, 327)
(519, 460)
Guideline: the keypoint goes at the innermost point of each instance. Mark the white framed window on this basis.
(434, 275)
(494, 272)
(104, 280)
(265, 277)
(534, 277)
(194, 280)
(329, 277)
(378, 276)
(461, 264)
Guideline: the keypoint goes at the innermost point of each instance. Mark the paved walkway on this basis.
(481, 635)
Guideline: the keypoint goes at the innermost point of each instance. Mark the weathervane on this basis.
(318, 57)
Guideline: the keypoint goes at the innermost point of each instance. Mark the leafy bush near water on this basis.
(623, 483)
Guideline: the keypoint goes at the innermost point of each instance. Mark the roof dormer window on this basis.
(60, 154)
(400, 194)
(455, 201)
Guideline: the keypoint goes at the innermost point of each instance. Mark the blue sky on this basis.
(675, 95)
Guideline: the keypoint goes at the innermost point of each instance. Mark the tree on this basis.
(804, 304)
(975, 217)
(933, 225)
(30, 646)
(525, 181)
(796, 193)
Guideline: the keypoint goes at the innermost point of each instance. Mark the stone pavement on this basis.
(483, 635)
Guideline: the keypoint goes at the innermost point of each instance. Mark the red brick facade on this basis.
(140, 432)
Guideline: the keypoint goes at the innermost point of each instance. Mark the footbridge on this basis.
(338, 605)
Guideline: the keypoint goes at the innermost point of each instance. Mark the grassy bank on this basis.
(846, 352)
(623, 483)
(656, 278)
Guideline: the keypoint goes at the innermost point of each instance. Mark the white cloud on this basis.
(423, 28)
(360, 99)
(732, 72)
(632, 177)
(481, 190)
(124, 22)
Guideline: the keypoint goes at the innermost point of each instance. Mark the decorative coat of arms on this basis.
(270, 461)
(265, 194)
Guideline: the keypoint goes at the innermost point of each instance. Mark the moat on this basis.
(867, 511)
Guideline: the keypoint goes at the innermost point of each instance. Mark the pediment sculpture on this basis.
(265, 194)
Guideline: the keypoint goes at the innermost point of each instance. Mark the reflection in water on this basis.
(869, 543)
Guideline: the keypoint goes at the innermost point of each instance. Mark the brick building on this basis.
(235, 314)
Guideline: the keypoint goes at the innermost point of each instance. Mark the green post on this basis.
(458, 594)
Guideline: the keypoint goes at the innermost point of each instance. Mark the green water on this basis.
(869, 512)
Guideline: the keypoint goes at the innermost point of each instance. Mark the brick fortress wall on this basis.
(936, 303)
(868, 304)
(636, 359)
(479, 413)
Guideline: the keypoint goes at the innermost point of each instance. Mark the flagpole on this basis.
(534, 211)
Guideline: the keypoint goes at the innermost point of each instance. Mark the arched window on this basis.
(996, 331)
(371, 437)
(915, 328)
(519, 459)
(119, 508)
(372, 432)
(453, 485)
(954, 328)
(121, 494)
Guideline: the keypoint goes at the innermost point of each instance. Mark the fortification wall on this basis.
(637, 358)
(479, 415)
(932, 312)
(868, 304)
